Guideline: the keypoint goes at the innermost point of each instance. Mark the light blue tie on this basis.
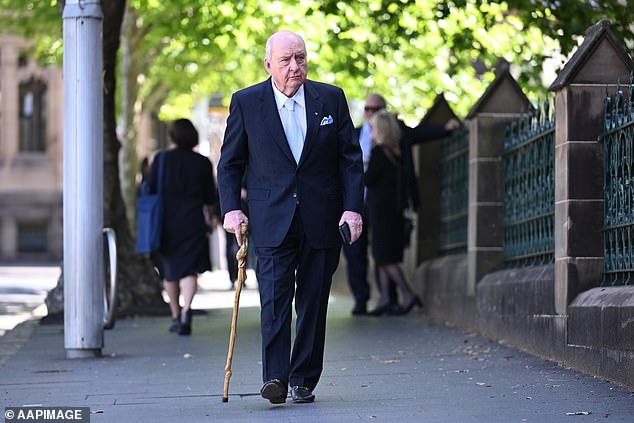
(294, 134)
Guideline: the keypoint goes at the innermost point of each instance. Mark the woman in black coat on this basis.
(386, 200)
(188, 199)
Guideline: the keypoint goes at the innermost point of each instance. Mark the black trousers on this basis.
(294, 270)
(357, 260)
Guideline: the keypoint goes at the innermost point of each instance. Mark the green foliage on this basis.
(408, 50)
(36, 20)
(566, 20)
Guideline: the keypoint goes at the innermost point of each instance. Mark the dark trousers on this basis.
(294, 270)
(357, 259)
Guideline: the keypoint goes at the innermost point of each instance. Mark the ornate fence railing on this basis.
(529, 189)
(454, 193)
(618, 189)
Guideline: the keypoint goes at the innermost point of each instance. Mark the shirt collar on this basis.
(280, 98)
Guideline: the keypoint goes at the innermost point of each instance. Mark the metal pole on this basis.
(83, 179)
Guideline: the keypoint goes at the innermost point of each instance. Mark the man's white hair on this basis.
(269, 42)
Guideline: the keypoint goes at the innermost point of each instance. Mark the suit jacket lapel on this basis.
(314, 109)
(272, 118)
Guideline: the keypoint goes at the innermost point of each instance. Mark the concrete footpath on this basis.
(388, 369)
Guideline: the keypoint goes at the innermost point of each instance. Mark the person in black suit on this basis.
(188, 201)
(387, 198)
(293, 140)
(357, 254)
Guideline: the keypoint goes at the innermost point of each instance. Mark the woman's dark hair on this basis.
(183, 133)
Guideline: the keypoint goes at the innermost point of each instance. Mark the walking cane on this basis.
(241, 256)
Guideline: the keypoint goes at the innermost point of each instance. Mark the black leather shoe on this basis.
(395, 310)
(380, 311)
(274, 391)
(301, 394)
(186, 323)
(175, 327)
(359, 309)
(414, 302)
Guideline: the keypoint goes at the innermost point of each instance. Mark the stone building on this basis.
(31, 153)
(31, 145)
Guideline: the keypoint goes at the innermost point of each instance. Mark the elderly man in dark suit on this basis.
(293, 140)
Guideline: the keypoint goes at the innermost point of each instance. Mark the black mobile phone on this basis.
(344, 231)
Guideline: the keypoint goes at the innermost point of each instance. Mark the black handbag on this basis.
(149, 208)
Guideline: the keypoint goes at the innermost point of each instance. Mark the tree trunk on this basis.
(138, 284)
(128, 90)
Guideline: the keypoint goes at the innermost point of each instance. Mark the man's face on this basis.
(372, 105)
(287, 63)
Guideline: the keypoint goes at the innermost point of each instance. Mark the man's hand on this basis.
(233, 220)
(355, 222)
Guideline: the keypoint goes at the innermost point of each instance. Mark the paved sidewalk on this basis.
(389, 369)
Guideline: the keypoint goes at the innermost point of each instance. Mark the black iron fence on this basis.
(618, 189)
(529, 189)
(454, 193)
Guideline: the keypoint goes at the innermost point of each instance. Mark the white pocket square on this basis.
(326, 121)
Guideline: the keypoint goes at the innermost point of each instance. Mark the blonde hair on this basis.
(386, 130)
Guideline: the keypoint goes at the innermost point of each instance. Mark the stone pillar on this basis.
(579, 92)
(502, 102)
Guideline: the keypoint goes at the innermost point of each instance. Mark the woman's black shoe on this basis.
(414, 302)
(379, 311)
(359, 309)
(395, 310)
(176, 325)
(186, 323)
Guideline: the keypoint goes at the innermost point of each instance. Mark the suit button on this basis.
(294, 195)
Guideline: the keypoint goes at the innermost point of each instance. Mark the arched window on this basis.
(32, 95)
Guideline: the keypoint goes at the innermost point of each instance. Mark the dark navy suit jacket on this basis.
(327, 180)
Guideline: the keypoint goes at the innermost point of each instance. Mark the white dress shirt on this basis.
(300, 112)
(365, 140)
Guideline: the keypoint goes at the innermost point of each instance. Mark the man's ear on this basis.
(267, 65)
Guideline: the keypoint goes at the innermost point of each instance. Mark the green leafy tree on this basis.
(568, 20)
(140, 285)
(168, 48)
